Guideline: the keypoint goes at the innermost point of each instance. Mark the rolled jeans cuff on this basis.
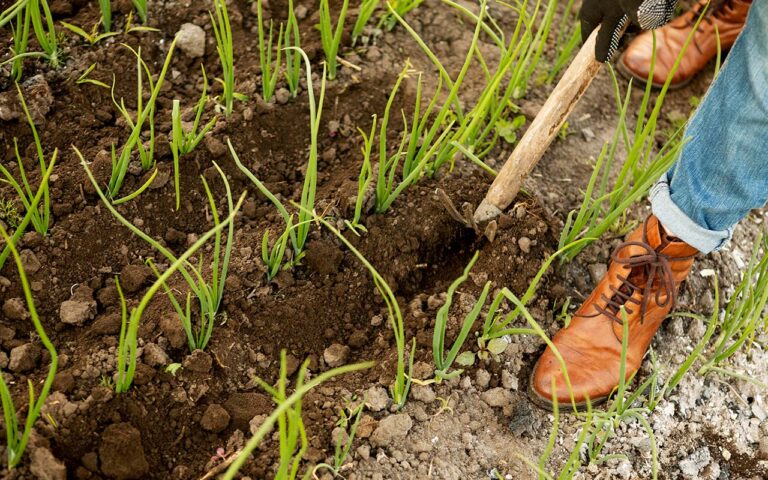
(677, 222)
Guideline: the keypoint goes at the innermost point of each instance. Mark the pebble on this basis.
(15, 309)
(198, 361)
(215, 419)
(597, 271)
(496, 397)
(24, 358)
(762, 450)
(282, 96)
(588, 134)
(336, 355)
(423, 393)
(76, 312)
(155, 356)
(695, 462)
(482, 379)
(191, 40)
(376, 399)
(525, 244)
(30, 262)
(45, 466)
(390, 429)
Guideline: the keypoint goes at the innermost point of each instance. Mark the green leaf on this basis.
(508, 129)
(497, 345)
(466, 359)
(173, 368)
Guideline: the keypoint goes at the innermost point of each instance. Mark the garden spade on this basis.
(541, 132)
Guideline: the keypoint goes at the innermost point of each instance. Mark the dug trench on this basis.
(179, 421)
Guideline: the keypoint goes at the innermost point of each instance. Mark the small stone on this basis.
(155, 356)
(215, 146)
(15, 309)
(24, 358)
(423, 393)
(242, 407)
(256, 423)
(525, 244)
(376, 399)
(597, 271)
(508, 380)
(391, 429)
(496, 397)
(588, 134)
(762, 450)
(482, 379)
(106, 324)
(198, 361)
(364, 452)
(76, 312)
(30, 262)
(695, 462)
(336, 355)
(282, 95)
(132, 277)
(47, 467)
(121, 453)
(191, 40)
(215, 419)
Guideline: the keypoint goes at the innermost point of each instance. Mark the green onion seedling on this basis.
(402, 384)
(16, 438)
(330, 36)
(208, 292)
(222, 30)
(270, 72)
(307, 203)
(367, 7)
(183, 141)
(444, 360)
(40, 217)
(292, 43)
(145, 112)
(285, 409)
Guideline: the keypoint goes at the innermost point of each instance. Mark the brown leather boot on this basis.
(728, 15)
(643, 277)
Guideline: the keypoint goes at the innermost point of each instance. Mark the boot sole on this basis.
(546, 403)
(643, 81)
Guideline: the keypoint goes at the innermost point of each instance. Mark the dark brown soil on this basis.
(417, 246)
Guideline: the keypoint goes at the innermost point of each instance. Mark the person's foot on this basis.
(729, 18)
(643, 277)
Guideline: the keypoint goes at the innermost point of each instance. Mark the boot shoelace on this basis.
(656, 271)
(715, 10)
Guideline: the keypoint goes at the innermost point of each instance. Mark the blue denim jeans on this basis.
(722, 172)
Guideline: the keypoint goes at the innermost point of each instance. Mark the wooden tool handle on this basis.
(541, 132)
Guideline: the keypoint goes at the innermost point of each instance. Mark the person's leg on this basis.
(722, 173)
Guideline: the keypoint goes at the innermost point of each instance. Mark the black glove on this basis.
(613, 15)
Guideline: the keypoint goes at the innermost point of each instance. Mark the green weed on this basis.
(364, 179)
